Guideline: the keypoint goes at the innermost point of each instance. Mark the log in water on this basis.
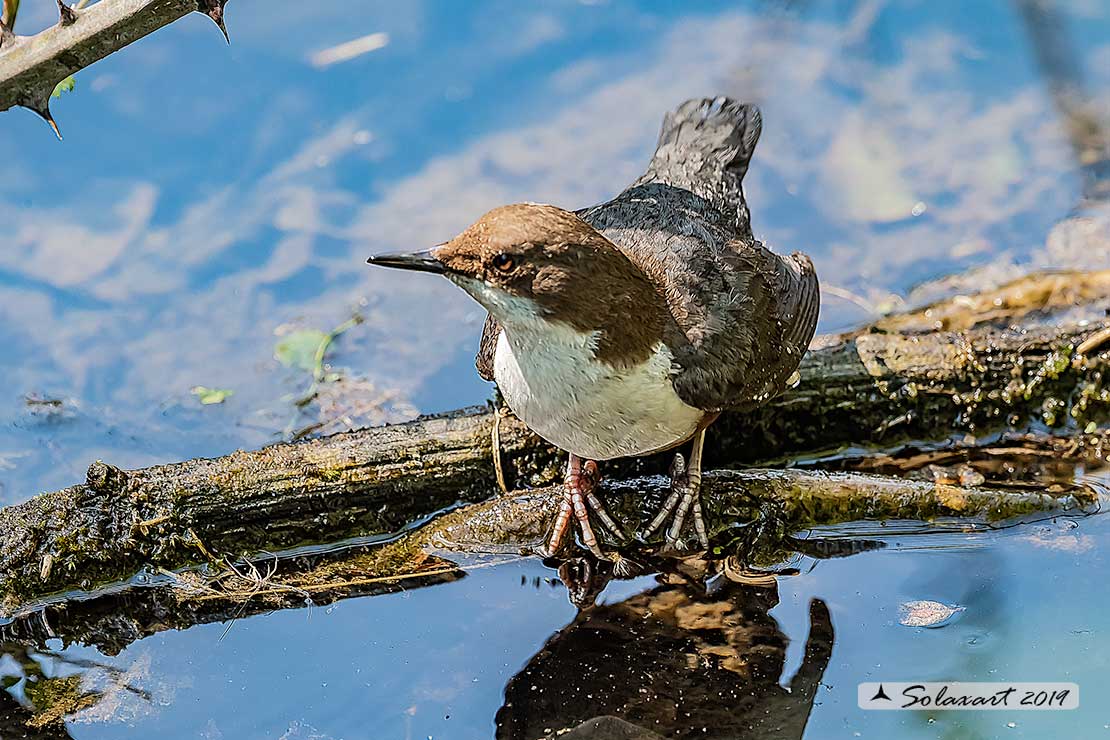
(1030, 355)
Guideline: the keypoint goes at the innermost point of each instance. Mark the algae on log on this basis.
(864, 388)
(782, 503)
(1003, 360)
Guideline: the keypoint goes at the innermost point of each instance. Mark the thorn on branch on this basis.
(41, 104)
(67, 16)
(214, 9)
(50, 119)
(8, 11)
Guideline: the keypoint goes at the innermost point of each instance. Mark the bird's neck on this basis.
(545, 337)
(625, 334)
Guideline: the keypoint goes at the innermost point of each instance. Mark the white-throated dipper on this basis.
(626, 328)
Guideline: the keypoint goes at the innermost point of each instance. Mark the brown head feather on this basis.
(568, 270)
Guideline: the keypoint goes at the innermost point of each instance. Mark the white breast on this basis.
(553, 383)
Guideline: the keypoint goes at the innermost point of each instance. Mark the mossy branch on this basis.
(772, 504)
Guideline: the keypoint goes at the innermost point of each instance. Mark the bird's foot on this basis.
(579, 499)
(684, 500)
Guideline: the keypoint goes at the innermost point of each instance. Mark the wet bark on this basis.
(1029, 356)
(756, 515)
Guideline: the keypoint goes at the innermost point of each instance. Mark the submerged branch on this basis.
(778, 504)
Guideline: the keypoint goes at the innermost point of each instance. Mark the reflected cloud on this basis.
(536, 31)
(348, 50)
(52, 248)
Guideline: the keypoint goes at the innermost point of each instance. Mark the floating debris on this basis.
(927, 613)
(349, 50)
(34, 400)
(209, 396)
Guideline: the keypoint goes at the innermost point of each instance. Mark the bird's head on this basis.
(526, 262)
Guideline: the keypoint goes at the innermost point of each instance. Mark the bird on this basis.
(626, 328)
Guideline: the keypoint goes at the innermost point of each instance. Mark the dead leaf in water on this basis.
(927, 613)
(299, 349)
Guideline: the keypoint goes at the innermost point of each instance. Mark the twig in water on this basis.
(851, 297)
(498, 470)
(318, 360)
(1093, 342)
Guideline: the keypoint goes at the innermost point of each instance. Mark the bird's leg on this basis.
(690, 487)
(685, 497)
(579, 497)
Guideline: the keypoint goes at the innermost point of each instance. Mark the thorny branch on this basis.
(31, 66)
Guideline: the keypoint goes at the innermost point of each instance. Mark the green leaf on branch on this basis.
(64, 86)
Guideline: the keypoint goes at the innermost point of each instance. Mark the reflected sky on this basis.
(208, 200)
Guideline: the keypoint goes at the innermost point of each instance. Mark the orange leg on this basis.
(579, 498)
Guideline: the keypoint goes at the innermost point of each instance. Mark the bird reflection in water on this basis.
(697, 655)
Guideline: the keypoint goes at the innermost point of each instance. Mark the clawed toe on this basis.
(678, 546)
(579, 500)
(683, 503)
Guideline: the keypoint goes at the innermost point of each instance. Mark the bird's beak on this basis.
(421, 261)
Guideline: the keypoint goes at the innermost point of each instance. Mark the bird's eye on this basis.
(503, 262)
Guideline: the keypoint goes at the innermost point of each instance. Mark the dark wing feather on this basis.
(747, 355)
(486, 348)
(743, 315)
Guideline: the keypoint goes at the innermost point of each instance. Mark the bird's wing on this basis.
(487, 346)
(760, 327)
(743, 314)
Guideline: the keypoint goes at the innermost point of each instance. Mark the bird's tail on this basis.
(705, 147)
